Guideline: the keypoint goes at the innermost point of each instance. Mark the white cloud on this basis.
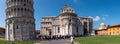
(97, 18)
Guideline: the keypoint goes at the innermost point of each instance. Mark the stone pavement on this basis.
(62, 41)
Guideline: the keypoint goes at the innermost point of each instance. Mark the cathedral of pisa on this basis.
(66, 24)
(20, 22)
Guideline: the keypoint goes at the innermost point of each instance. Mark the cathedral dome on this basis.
(67, 11)
(102, 26)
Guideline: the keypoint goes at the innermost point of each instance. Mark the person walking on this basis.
(72, 39)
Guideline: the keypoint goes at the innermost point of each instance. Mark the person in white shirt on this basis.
(72, 40)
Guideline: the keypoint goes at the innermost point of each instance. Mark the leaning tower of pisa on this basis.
(20, 22)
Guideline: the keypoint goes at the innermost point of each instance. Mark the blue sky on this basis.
(109, 10)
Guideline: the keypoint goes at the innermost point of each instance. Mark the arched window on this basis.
(17, 0)
(21, 9)
(18, 9)
(25, 9)
(7, 4)
(24, 0)
(8, 13)
(21, 0)
(15, 9)
(77, 30)
(14, 0)
(11, 0)
(69, 20)
(30, 2)
(11, 10)
(58, 30)
(17, 27)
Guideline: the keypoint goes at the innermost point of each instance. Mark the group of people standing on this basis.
(45, 37)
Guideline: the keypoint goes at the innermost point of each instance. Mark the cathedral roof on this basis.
(116, 25)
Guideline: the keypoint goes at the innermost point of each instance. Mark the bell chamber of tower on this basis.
(20, 22)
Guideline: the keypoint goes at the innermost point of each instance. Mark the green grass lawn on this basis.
(19, 42)
(98, 40)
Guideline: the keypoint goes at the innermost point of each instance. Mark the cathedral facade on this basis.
(20, 22)
(67, 23)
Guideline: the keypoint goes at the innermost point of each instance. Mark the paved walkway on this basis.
(62, 41)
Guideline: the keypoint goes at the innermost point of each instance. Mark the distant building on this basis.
(67, 23)
(102, 30)
(114, 30)
(110, 30)
(2, 31)
(102, 26)
(37, 33)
